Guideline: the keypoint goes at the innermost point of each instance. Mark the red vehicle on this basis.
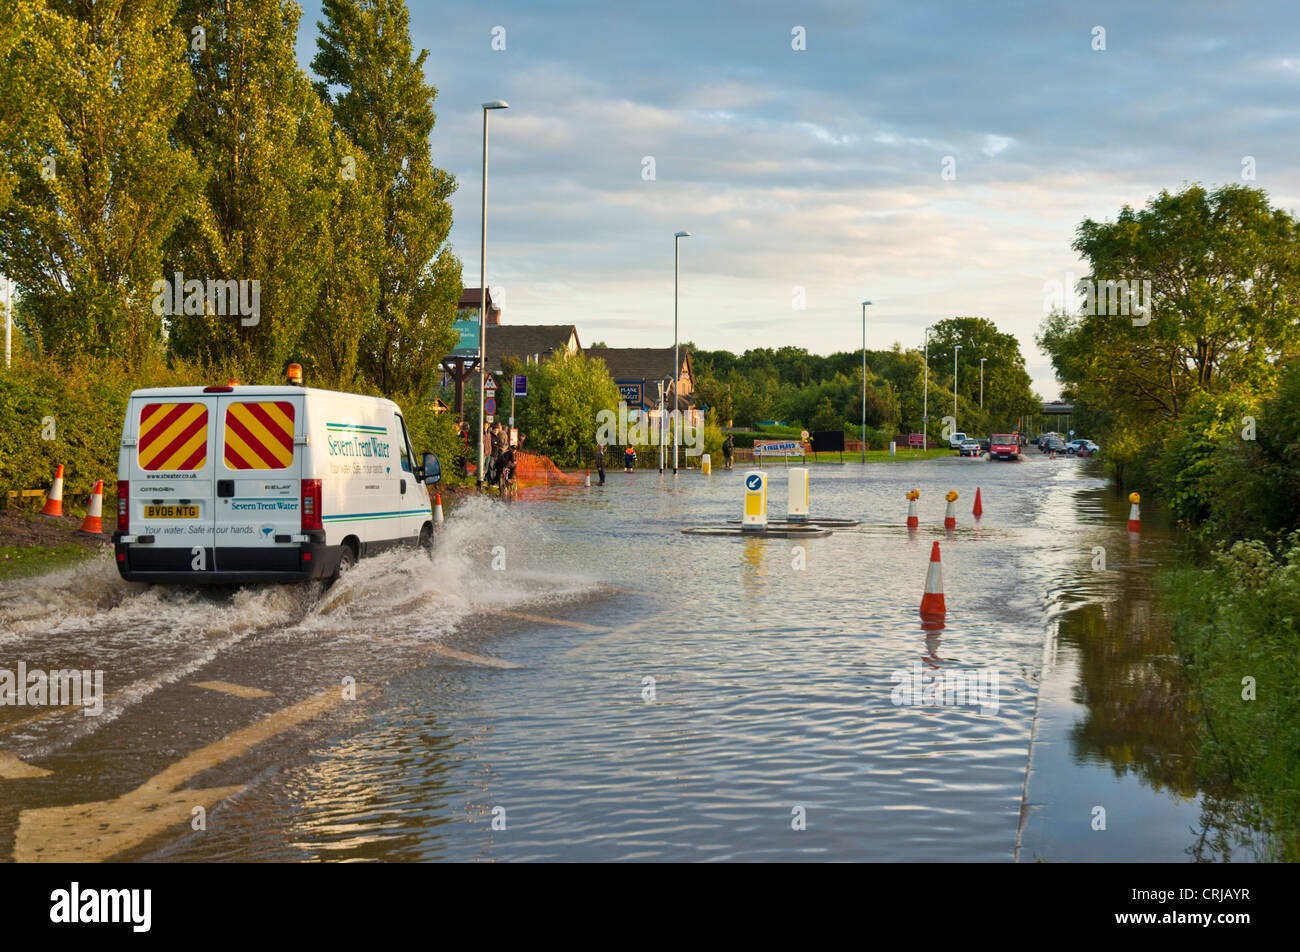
(1004, 446)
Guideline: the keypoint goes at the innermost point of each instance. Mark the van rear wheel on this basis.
(347, 559)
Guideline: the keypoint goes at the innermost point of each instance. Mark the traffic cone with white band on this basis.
(54, 501)
(950, 517)
(932, 604)
(979, 505)
(912, 521)
(1134, 518)
(93, 524)
(437, 509)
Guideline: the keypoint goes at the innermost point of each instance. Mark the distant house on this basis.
(530, 343)
(636, 372)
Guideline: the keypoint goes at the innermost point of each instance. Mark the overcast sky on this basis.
(821, 169)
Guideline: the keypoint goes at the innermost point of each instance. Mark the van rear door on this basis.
(258, 482)
(171, 475)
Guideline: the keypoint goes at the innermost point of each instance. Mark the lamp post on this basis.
(677, 366)
(982, 359)
(482, 283)
(925, 396)
(954, 387)
(865, 305)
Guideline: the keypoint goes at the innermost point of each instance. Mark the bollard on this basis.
(797, 510)
(979, 505)
(950, 517)
(54, 501)
(589, 479)
(932, 603)
(893, 447)
(1134, 517)
(706, 465)
(755, 515)
(912, 497)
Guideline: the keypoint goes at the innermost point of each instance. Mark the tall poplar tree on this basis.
(89, 94)
(382, 102)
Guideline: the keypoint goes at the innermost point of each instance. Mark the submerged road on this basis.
(572, 678)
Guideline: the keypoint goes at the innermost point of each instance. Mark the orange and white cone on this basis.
(979, 505)
(912, 521)
(93, 524)
(54, 501)
(932, 604)
(588, 479)
(1134, 518)
(950, 517)
(437, 509)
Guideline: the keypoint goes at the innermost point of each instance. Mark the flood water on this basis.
(573, 678)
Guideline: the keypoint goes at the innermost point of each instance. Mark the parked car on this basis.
(957, 440)
(1087, 448)
(985, 445)
(1004, 446)
(1053, 444)
(970, 448)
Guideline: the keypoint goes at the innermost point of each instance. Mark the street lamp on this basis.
(865, 305)
(954, 387)
(982, 359)
(925, 395)
(677, 366)
(482, 284)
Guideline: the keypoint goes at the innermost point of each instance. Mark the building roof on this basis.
(648, 364)
(473, 297)
(525, 340)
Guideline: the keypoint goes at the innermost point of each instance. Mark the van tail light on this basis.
(311, 504)
(123, 510)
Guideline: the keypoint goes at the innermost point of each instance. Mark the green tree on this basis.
(1008, 392)
(263, 139)
(383, 104)
(93, 92)
(565, 396)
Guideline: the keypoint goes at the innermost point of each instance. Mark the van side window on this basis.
(403, 443)
(259, 435)
(173, 436)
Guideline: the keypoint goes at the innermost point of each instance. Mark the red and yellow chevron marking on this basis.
(259, 435)
(173, 436)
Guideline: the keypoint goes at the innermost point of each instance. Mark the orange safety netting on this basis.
(534, 469)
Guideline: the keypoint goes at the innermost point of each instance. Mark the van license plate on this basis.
(171, 512)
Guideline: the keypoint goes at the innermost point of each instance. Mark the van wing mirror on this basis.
(432, 469)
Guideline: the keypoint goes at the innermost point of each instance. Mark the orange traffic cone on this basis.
(932, 604)
(588, 478)
(54, 500)
(437, 509)
(93, 523)
(979, 506)
(912, 521)
(1134, 517)
(950, 517)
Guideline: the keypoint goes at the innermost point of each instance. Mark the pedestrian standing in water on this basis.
(600, 461)
(629, 460)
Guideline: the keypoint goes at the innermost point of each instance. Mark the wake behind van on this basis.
(244, 484)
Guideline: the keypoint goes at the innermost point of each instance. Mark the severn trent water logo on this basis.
(350, 439)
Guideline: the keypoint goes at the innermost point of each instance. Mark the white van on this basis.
(242, 484)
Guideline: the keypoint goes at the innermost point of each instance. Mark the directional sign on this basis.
(490, 405)
(521, 385)
(753, 482)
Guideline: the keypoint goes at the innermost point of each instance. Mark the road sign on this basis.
(490, 405)
(490, 383)
(521, 385)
